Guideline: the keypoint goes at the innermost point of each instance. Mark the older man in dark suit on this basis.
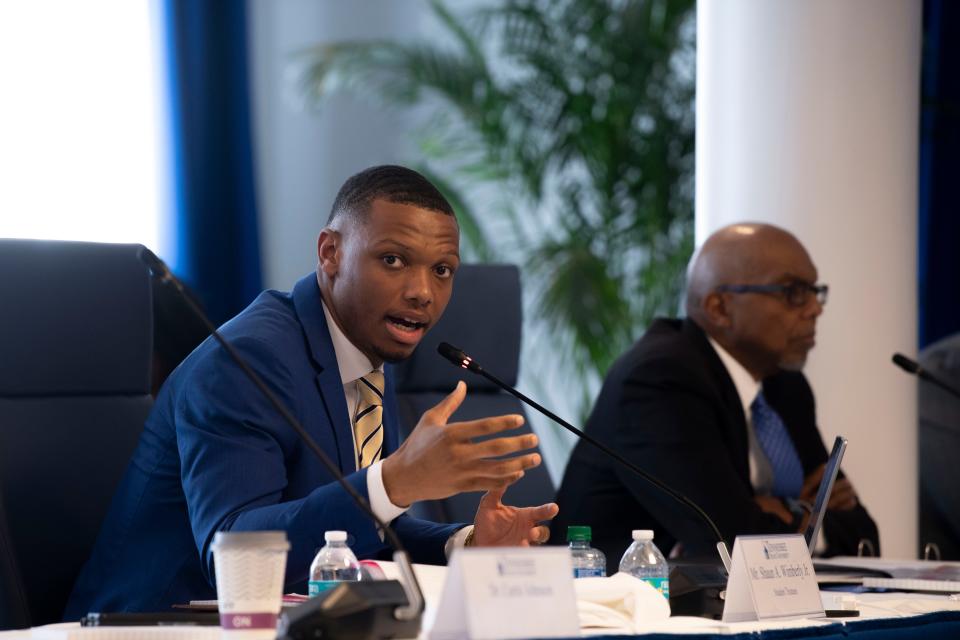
(716, 406)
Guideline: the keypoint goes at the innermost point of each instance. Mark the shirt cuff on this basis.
(458, 540)
(379, 501)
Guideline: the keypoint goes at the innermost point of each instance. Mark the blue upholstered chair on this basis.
(75, 353)
(939, 449)
(484, 319)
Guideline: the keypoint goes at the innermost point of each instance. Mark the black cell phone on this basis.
(841, 613)
(163, 618)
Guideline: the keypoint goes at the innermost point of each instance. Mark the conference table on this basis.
(883, 616)
(890, 625)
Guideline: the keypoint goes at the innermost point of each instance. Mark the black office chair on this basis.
(484, 319)
(75, 352)
(939, 449)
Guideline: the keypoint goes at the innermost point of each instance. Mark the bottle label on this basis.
(660, 584)
(316, 587)
(587, 572)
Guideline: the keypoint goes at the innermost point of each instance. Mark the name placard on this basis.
(771, 578)
(507, 592)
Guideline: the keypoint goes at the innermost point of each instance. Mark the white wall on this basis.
(807, 117)
(82, 133)
(303, 156)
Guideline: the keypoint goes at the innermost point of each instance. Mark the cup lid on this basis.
(246, 539)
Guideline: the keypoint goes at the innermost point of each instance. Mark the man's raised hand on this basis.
(500, 525)
(439, 459)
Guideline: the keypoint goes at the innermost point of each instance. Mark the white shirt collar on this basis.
(747, 386)
(351, 361)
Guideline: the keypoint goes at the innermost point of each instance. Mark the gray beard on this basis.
(793, 366)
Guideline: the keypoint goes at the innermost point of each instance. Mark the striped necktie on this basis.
(776, 443)
(368, 421)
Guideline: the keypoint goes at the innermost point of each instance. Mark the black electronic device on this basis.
(384, 609)
(697, 588)
(830, 472)
(160, 619)
(350, 610)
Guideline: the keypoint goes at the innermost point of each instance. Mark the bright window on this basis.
(79, 114)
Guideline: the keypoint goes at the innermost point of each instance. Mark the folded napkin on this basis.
(619, 603)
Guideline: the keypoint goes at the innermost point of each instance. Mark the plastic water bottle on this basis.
(335, 563)
(587, 561)
(643, 560)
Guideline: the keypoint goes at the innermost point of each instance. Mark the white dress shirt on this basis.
(353, 364)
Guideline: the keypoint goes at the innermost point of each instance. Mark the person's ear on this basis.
(716, 311)
(329, 251)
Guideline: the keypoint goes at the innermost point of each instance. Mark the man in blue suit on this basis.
(216, 456)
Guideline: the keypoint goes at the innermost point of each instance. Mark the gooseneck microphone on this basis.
(312, 617)
(912, 366)
(461, 359)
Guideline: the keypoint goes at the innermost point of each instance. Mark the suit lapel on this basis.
(391, 421)
(307, 301)
(735, 421)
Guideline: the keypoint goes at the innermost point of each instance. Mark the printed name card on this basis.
(771, 578)
(507, 592)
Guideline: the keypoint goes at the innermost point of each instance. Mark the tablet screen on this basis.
(823, 494)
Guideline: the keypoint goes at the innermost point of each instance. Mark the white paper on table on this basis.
(73, 631)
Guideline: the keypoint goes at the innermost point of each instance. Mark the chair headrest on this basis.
(484, 319)
(943, 357)
(76, 319)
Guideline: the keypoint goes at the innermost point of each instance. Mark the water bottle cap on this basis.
(335, 536)
(579, 533)
(643, 534)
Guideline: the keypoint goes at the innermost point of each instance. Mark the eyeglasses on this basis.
(797, 294)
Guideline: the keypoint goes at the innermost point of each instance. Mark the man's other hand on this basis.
(842, 498)
(439, 460)
(774, 505)
(499, 525)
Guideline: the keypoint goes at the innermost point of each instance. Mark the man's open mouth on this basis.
(406, 324)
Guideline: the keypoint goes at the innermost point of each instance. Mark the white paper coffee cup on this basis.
(249, 567)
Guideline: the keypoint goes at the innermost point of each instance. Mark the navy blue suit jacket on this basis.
(216, 456)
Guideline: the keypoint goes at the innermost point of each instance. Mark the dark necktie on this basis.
(776, 444)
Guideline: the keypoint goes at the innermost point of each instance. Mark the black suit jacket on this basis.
(669, 406)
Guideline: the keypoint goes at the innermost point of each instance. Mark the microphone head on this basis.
(905, 363)
(457, 357)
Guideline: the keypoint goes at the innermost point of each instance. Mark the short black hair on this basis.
(388, 182)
